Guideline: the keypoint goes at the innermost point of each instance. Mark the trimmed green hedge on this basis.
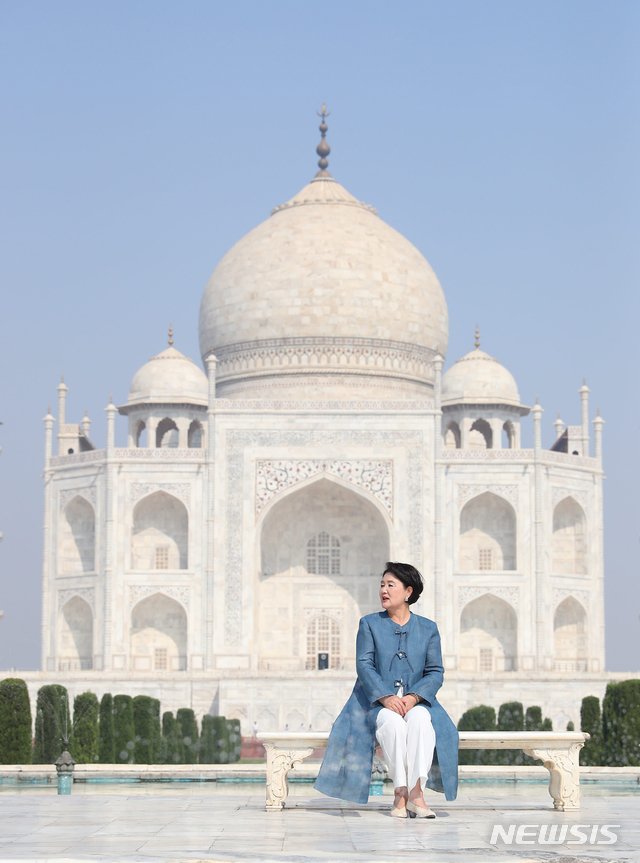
(621, 723)
(188, 727)
(53, 724)
(592, 753)
(235, 740)
(106, 746)
(146, 717)
(124, 729)
(171, 739)
(84, 736)
(15, 722)
(480, 718)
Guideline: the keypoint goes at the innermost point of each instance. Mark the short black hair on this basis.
(409, 576)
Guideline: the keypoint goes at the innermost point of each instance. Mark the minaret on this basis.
(47, 631)
(558, 426)
(85, 424)
(63, 389)
(210, 507)
(584, 401)
(48, 421)
(542, 624)
(597, 435)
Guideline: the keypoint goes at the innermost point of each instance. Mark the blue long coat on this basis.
(387, 653)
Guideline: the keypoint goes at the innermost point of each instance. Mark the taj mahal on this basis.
(219, 549)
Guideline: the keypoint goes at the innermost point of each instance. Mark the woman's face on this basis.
(393, 593)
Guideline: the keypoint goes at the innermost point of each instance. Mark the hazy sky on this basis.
(140, 140)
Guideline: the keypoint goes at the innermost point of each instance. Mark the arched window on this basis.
(77, 538)
(508, 435)
(487, 534)
(167, 434)
(568, 545)
(194, 437)
(488, 635)
(480, 435)
(75, 650)
(141, 434)
(452, 436)
(160, 533)
(323, 643)
(570, 636)
(323, 554)
(158, 635)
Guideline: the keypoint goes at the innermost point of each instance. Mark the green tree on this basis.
(15, 722)
(84, 735)
(570, 725)
(53, 724)
(234, 738)
(146, 717)
(171, 740)
(510, 718)
(106, 749)
(591, 753)
(533, 719)
(479, 718)
(189, 734)
(621, 723)
(124, 729)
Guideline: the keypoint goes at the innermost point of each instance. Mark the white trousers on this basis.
(407, 744)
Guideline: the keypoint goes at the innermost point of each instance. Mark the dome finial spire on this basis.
(170, 336)
(476, 341)
(323, 149)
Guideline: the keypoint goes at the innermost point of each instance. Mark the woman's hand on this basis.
(393, 702)
(409, 700)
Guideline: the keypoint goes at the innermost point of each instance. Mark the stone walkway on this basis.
(227, 822)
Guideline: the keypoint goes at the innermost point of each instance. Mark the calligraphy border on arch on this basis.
(468, 593)
(239, 440)
(181, 594)
(276, 475)
(507, 491)
(87, 492)
(86, 593)
(180, 490)
(559, 493)
(562, 593)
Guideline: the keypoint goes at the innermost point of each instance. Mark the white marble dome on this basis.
(323, 288)
(169, 378)
(478, 378)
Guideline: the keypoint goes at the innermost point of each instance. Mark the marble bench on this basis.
(558, 751)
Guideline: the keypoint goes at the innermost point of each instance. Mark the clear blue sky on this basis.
(141, 139)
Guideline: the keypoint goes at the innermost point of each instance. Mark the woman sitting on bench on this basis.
(399, 668)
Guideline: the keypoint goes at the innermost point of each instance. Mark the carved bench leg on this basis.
(279, 763)
(564, 774)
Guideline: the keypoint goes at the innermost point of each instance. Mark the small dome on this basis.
(169, 378)
(478, 378)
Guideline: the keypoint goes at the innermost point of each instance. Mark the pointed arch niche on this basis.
(158, 635)
(78, 537)
(75, 646)
(321, 550)
(487, 535)
(570, 636)
(160, 531)
(568, 544)
(488, 635)
(452, 437)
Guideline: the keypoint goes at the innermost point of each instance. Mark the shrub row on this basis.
(117, 730)
(614, 728)
(511, 717)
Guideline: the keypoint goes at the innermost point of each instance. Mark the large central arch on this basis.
(321, 550)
